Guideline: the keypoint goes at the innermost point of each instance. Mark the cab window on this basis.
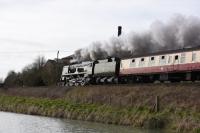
(109, 60)
(72, 70)
(80, 69)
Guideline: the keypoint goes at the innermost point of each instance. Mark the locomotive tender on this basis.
(171, 65)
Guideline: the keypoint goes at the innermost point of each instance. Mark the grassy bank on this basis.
(132, 105)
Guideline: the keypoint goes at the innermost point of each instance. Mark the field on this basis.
(169, 106)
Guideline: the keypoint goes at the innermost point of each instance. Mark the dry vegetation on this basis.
(179, 103)
(184, 95)
(178, 95)
(51, 92)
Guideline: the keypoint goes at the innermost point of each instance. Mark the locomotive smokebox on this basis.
(119, 30)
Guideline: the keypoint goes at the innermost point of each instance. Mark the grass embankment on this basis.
(125, 104)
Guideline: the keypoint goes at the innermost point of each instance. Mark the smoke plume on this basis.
(178, 32)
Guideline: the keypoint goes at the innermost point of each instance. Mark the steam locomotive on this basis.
(171, 65)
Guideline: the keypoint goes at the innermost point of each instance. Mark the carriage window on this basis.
(133, 63)
(162, 59)
(193, 56)
(176, 57)
(151, 61)
(142, 62)
(183, 58)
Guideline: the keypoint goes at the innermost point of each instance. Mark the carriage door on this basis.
(176, 62)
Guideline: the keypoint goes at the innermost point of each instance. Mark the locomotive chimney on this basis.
(119, 30)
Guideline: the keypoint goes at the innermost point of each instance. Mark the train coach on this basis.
(171, 65)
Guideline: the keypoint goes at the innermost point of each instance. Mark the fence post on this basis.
(157, 104)
(110, 100)
(120, 102)
(92, 100)
(69, 98)
(76, 99)
(131, 101)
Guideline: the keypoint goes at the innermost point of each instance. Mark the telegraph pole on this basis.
(57, 68)
(57, 55)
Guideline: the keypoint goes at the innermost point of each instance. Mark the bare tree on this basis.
(1, 80)
(39, 62)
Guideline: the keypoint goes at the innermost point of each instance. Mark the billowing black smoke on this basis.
(179, 32)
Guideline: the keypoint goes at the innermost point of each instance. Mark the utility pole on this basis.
(57, 68)
(57, 56)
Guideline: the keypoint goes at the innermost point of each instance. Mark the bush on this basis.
(13, 79)
(51, 72)
(39, 73)
(32, 74)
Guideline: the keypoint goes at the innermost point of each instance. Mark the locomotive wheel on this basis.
(116, 81)
(98, 80)
(71, 84)
(60, 84)
(83, 83)
(67, 84)
(76, 84)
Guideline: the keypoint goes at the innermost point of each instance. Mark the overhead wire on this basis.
(34, 51)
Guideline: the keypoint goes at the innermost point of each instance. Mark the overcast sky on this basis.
(29, 28)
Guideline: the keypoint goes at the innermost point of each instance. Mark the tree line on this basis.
(39, 73)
